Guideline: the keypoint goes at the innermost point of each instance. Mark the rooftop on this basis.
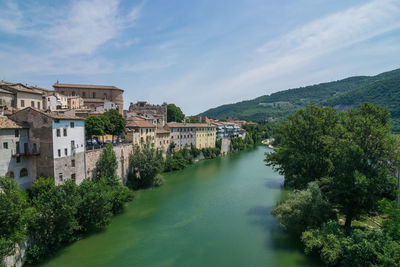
(162, 131)
(192, 125)
(86, 86)
(139, 124)
(6, 123)
(53, 114)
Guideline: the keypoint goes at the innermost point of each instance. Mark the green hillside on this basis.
(381, 89)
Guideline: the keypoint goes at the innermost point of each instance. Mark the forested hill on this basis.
(383, 89)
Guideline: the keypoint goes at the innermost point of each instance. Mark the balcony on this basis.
(28, 152)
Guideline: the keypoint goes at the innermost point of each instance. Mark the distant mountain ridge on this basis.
(382, 89)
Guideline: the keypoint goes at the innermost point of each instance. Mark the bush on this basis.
(363, 247)
(14, 215)
(303, 209)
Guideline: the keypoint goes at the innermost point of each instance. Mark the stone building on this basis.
(93, 95)
(60, 138)
(159, 113)
(23, 95)
(140, 131)
(17, 156)
(163, 140)
(200, 135)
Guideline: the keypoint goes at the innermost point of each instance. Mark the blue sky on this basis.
(197, 54)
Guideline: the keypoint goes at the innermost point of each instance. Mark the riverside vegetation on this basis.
(51, 216)
(341, 169)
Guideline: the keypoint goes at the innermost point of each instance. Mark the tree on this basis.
(14, 215)
(174, 113)
(362, 160)
(391, 224)
(146, 163)
(106, 166)
(54, 222)
(94, 210)
(304, 209)
(304, 153)
(94, 125)
(114, 122)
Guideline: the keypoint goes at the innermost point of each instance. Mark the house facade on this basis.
(17, 157)
(140, 131)
(163, 140)
(60, 138)
(200, 135)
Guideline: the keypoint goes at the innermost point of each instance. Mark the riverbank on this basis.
(212, 213)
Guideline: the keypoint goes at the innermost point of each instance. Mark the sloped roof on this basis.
(6, 123)
(162, 131)
(139, 124)
(53, 114)
(86, 86)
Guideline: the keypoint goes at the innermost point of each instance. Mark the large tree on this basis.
(363, 162)
(106, 165)
(146, 163)
(94, 125)
(114, 122)
(307, 140)
(174, 113)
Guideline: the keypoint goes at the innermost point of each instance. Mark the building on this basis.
(107, 106)
(54, 101)
(93, 95)
(60, 138)
(7, 99)
(159, 113)
(226, 129)
(75, 102)
(17, 156)
(200, 135)
(163, 140)
(23, 95)
(140, 131)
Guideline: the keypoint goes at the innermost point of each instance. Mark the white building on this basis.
(55, 101)
(107, 106)
(61, 141)
(17, 157)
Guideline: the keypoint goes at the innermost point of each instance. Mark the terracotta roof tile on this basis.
(191, 125)
(162, 131)
(54, 114)
(140, 124)
(6, 123)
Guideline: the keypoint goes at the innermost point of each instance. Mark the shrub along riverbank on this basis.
(341, 168)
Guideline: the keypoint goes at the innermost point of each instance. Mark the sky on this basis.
(196, 54)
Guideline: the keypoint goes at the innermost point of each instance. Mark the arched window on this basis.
(10, 174)
(23, 172)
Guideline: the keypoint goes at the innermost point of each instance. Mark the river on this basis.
(214, 213)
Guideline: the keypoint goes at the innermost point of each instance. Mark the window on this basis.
(23, 172)
(58, 133)
(38, 104)
(105, 95)
(33, 104)
(94, 94)
(34, 148)
(73, 163)
(65, 131)
(73, 93)
(73, 177)
(17, 147)
(56, 120)
(73, 144)
(5, 145)
(72, 124)
(60, 177)
(66, 151)
(22, 103)
(18, 159)
(16, 133)
(12, 102)
(59, 152)
(62, 92)
(83, 94)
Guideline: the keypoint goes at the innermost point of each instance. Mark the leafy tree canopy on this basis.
(174, 113)
(94, 125)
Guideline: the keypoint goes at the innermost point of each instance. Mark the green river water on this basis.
(214, 213)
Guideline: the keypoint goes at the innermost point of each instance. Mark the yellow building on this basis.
(138, 132)
(205, 136)
(163, 140)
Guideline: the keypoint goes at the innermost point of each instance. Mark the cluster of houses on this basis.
(42, 132)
